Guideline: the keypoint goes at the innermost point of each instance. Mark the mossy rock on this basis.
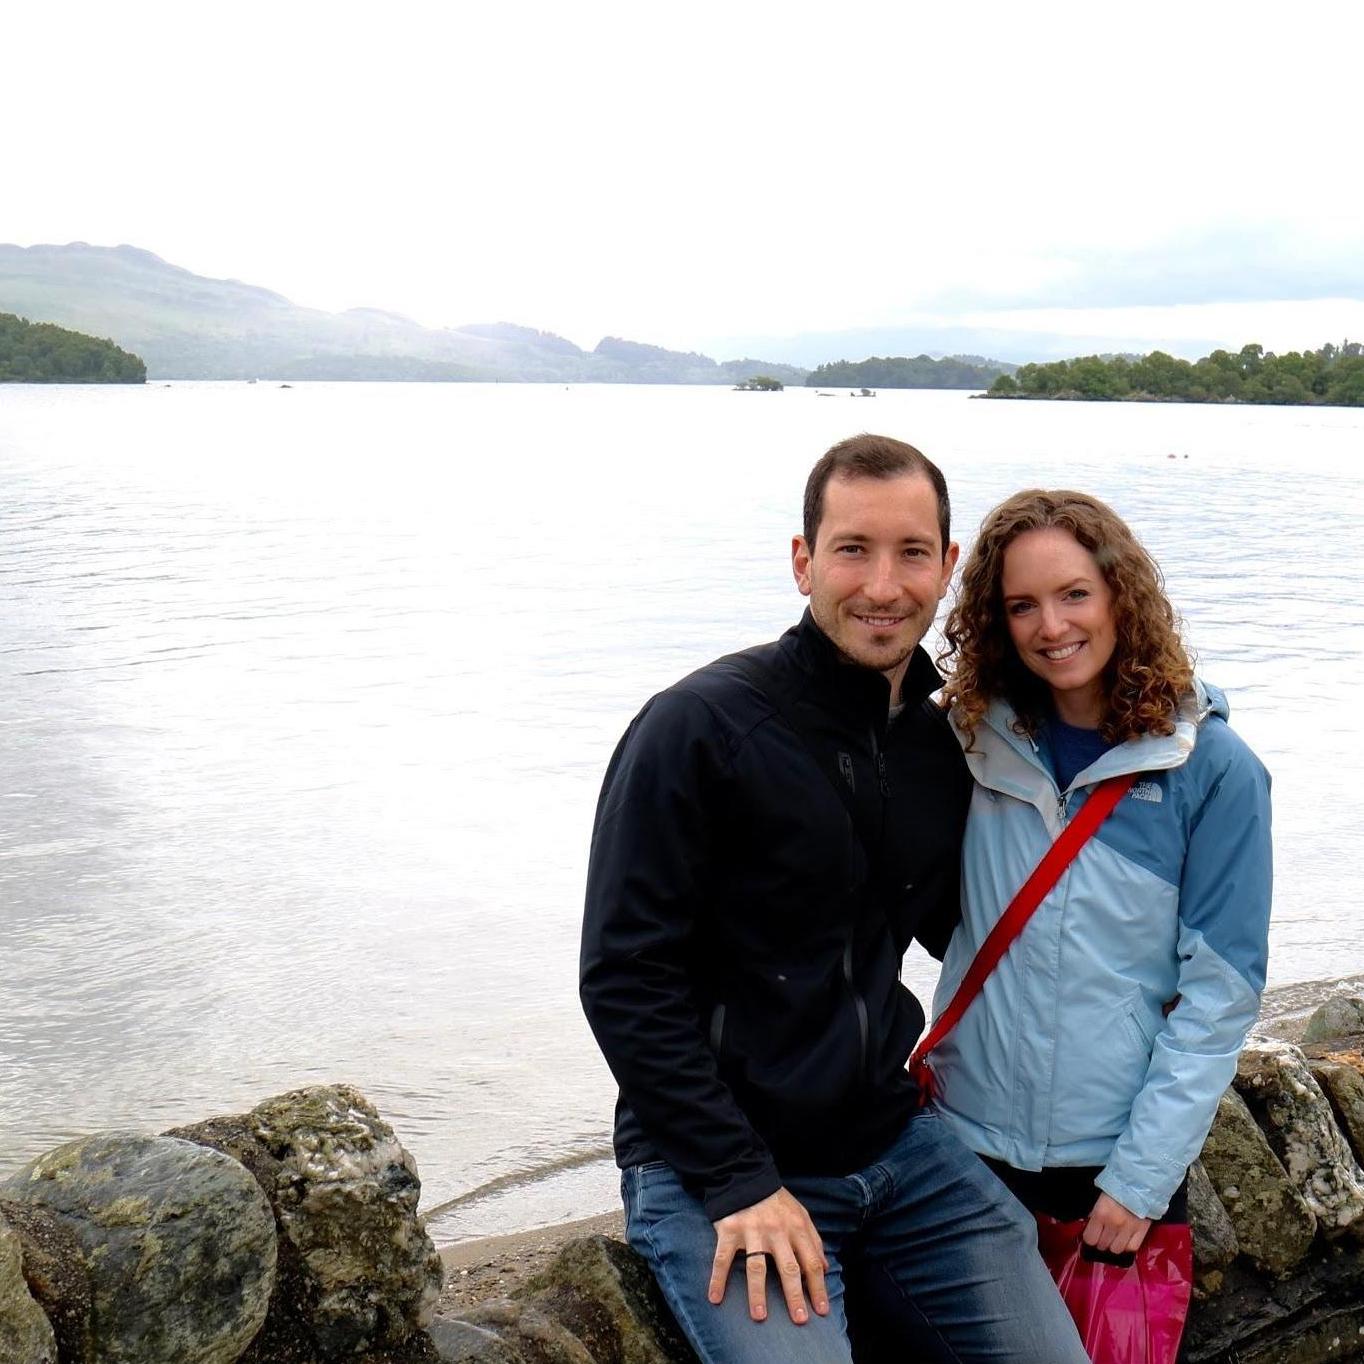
(345, 1195)
(1214, 1237)
(1297, 1118)
(26, 1335)
(604, 1293)
(54, 1268)
(178, 1242)
(286, 1336)
(1339, 1015)
(1274, 1226)
(1340, 1073)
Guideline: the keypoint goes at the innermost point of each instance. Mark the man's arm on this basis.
(934, 930)
(653, 848)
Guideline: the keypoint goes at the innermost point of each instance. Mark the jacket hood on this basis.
(1211, 700)
(1003, 759)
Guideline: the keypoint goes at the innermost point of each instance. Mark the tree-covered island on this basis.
(41, 353)
(1332, 376)
(900, 371)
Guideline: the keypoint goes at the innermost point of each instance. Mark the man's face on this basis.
(877, 571)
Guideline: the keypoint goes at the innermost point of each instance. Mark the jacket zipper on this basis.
(863, 1023)
(882, 781)
(717, 1029)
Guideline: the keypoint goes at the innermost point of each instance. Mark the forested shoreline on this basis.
(1332, 376)
(899, 371)
(43, 353)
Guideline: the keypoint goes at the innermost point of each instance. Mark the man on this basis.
(771, 833)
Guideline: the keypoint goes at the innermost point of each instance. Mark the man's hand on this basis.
(778, 1227)
(1112, 1228)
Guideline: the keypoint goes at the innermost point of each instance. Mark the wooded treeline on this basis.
(1331, 376)
(41, 353)
(898, 371)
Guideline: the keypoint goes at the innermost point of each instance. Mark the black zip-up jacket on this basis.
(746, 919)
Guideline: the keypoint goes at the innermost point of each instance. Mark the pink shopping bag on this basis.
(1129, 1309)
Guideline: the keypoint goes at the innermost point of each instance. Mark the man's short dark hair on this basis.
(868, 456)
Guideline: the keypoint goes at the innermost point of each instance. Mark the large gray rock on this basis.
(531, 1333)
(54, 1268)
(1312, 1317)
(25, 1333)
(1340, 1073)
(604, 1293)
(286, 1337)
(460, 1342)
(1339, 1015)
(1302, 1130)
(1214, 1237)
(346, 1198)
(1274, 1226)
(178, 1241)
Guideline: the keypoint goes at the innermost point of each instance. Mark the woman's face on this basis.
(1060, 615)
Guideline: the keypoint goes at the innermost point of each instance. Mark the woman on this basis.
(1088, 1070)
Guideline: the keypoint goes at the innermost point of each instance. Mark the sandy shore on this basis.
(493, 1266)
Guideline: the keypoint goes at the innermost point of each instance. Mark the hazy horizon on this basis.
(810, 350)
(753, 181)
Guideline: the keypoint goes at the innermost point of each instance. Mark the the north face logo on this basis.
(1147, 790)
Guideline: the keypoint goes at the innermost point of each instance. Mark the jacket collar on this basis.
(1005, 760)
(821, 658)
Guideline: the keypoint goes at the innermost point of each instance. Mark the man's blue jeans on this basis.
(945, 1252)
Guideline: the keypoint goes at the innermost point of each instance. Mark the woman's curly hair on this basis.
(1150, 669)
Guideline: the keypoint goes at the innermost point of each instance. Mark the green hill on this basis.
(898, 371)
(187, 326)
(40, 353)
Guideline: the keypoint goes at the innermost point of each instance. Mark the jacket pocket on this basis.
(805, 1070)
(1102, 1056)
(1141, 1028)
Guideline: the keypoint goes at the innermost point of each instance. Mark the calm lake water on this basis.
(308, 693)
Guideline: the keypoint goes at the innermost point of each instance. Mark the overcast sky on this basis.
(717, 176)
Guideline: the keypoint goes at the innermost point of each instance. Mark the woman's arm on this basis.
(1224, 898)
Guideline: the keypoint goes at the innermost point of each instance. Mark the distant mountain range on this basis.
(186, 326)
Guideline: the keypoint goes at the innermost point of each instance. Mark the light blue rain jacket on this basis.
(1066, 1057)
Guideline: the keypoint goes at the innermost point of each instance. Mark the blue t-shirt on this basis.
(1071, 749)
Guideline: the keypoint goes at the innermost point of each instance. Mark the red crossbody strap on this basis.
(1011, 923)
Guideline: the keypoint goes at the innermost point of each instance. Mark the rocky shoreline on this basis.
(496, 1266)
(290, 1235)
